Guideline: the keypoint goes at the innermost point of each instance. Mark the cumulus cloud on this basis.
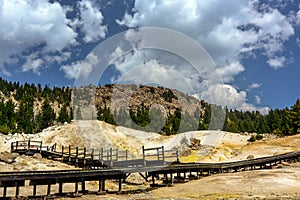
(277, 62)
(228, 71)
(237, 27)
(257, 99)
(30, 24)
(33, 64)
(224, 94)
(91, 21)
(81, 69)
(38, 33)
(233, 33)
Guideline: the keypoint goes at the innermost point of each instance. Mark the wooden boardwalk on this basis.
(96, 159)
(95, 167)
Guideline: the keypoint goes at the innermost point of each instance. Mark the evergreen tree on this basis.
(63, 115)
(25, 116)
(294, 115)
(48, 115)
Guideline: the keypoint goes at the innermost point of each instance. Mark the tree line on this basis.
(19, 110)
(278, 121)
(20, 113)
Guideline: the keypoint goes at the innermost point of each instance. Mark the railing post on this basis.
(41, 146)
(49, 189)
(69, 153)
(76, 157)
(100, 154)
(143, 149)
(126, 154)
(4, 191)
(53, 146)
(111, 156)
(28, 145)
(84, 154)
(163, 154)
(62, 153)
(117, 154)
(92, 157)
(17, 189)
(93, 151)
(11, 147)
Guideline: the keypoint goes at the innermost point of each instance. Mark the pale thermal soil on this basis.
(216, 146)
(282, 182)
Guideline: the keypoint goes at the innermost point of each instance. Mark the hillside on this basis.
(30, 108)
(96, 134)
(279, 183)
(139, 107)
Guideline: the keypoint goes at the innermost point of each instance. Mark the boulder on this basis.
(195, 144)
(37, 156)
(184, 149)
(8, 157)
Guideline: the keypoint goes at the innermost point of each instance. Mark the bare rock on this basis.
(184, 149)
(38, 156)
(195, 144)
(8, 157)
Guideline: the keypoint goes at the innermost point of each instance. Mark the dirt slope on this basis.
(216, 146)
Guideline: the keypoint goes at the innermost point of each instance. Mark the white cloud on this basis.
(116, 54)
(33, 64)
(230, 70)
(26, 24)
(257, 99)
(81, 69)
(39, 32)
(91, 21)
(212, 89)
(277, 62)
(254, 86)
(234, 32)
(237, 27)
(298, 18)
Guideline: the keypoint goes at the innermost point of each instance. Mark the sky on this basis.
(252, 46)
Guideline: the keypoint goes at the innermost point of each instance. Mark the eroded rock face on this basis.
(124, 96)
(195, 144)
(8, 157)
(184, 149)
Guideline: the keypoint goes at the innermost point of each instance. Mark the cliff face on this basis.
(90, 102)
(136, 97)
(133, 97)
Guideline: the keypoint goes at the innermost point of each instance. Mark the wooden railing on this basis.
(81, 157)
(31, 145)
(159, 154)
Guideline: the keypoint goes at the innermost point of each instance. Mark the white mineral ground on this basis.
(282, 182)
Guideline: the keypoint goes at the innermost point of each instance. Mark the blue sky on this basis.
(254, 44)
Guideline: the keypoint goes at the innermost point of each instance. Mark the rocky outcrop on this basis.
(133, 97)
(195, 144)
(8, 157)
